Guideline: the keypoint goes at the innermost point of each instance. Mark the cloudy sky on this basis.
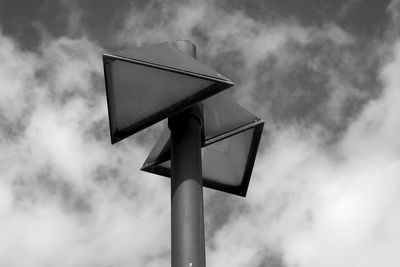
(324, 75)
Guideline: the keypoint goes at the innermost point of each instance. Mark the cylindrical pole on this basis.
(187, 219)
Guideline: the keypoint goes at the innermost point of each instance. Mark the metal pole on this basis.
(187, 218)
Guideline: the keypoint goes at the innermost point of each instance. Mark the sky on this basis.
(325, 189)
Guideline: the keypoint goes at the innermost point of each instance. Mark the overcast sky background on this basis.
(324, 75)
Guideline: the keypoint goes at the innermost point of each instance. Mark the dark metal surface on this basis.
(220, 83)
(187, 222)
(241, 190)
(168, 56)
(187, 217)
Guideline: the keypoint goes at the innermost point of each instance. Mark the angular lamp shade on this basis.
(145, 85)
(229, 147)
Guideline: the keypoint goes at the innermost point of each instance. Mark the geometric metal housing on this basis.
(229, 146)
(148, 84)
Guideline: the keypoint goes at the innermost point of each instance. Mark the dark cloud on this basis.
(100, 20)
(18, 19)
(365, 18)
(270, 259)
(11, 131)
(320, 83)
(99, 130)
(47, 185)
(360, 17)
(219, 210)
(110, 178)
(296, 64)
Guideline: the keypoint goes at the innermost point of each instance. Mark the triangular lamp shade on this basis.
(231, 138)
(148, 84)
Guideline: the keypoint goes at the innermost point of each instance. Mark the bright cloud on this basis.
(69, 198)
(65, 195)
(325, 206)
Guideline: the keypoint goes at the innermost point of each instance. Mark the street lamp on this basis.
(229, 147)
(148, 84)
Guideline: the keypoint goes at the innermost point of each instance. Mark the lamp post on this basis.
(212, 141)
(187, 219)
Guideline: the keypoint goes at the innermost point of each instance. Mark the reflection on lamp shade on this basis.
(229, 146)
(145, 85)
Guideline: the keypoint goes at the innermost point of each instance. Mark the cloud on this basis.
(66, 193)
(318, 205)
(311, 203)
(271, 63)
(69, 198)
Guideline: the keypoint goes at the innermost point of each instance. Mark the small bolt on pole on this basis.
(187, 215)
